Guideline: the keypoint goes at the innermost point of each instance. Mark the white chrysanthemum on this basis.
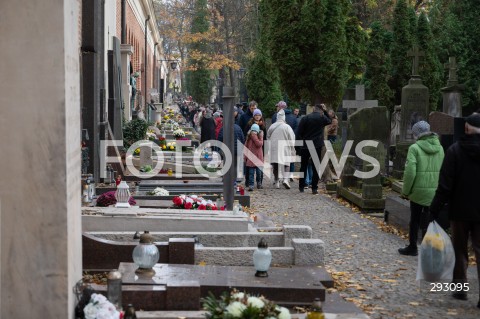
(90, 311)
(235, 309)
(194, 196)
(98, 298)
(189, 200)
(255, 302)
(284, 313)
(238, 295)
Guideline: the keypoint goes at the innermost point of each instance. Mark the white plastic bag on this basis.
(436, 257)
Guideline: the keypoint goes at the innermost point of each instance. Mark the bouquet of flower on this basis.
(162, 141)
(159, 191)
(108, 198)
(169, 146)
(100, 307)
(194, 202)
(241, 305)
(178, 133)
(151, 135)
(173, 125)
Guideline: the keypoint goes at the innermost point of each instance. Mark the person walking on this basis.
(459, 186)
(207, 125)
(282, 141)
(247, 116)
(292, 120)
(420, 180)
(311, 128)
(254, 144)
(260, 121)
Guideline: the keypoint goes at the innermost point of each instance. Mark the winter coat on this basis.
(254, 144)
(208, 129)
(218, 126)
(312, 128)
(237, 137)
(279, 152)
(243, 121)
(422, 169)
(459, 183)
(290, 118)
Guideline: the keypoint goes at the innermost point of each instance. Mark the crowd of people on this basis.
(288, 126)
(434, 181)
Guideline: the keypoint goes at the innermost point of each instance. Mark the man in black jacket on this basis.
(245, 117)
(311, 128)
(459, 186)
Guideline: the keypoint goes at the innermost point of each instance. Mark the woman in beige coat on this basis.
(282, 140)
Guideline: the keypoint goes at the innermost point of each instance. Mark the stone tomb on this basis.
(180, 287)
(366, 193)
(152, 201)
(152, 219)
(290, 245)
(183, 186)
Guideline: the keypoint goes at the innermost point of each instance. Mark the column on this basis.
(40, 218)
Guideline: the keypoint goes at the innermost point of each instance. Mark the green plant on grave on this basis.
(133, 131)
(146, 168)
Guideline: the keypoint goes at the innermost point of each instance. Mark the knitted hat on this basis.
(420, 128)
(281, 115)
(474, 120)
(257, 111)
(216, 114)
(282, 105)
(255, 128)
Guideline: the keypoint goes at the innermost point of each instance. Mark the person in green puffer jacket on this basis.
(420, 180)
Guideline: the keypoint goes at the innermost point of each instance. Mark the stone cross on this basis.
(416, 54)
(359, 102)
(451, 66)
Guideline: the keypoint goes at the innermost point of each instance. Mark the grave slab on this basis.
(152, 219)
(302, 284)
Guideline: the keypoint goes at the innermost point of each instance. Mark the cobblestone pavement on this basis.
(364, 258)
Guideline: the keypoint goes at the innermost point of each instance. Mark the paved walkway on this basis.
(363, 257)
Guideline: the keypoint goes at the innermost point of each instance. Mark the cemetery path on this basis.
(363, 257)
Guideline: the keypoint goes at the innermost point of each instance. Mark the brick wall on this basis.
(136, 38)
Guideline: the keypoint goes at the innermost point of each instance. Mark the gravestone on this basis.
(442, 124)
(415, 100)
(359, 101)
(395, 123)
(415, 107)
(371, 123)
(145, 154)
(452, 93)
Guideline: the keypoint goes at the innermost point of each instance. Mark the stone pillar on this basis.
(40, 220)
(415, 106)
(126, 51)
(452, 101)
(229, 140)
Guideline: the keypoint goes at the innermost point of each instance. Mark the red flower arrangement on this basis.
(194, 202)
(108, 199)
